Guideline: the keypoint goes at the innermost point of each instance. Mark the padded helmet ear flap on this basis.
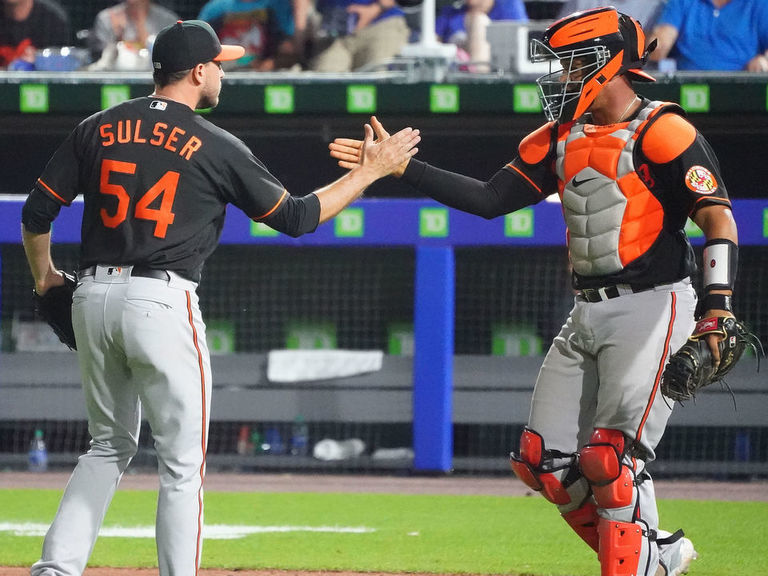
(635, 51)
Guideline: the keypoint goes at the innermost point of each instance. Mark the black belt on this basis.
(139, 271)
(613, 291)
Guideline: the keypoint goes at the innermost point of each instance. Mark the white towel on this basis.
(302, 365)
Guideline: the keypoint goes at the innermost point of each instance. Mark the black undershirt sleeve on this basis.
(505, 192)
(39, 211)
(296, 216)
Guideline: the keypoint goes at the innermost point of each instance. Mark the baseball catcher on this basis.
(693, 366)
(55, 307)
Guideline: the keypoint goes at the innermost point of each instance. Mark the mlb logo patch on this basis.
(158, 105)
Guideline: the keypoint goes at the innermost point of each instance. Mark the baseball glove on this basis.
(691, 368)
(55, 307)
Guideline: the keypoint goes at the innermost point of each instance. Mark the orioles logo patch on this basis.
(700, 180)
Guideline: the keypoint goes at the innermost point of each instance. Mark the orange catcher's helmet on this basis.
(585, 51)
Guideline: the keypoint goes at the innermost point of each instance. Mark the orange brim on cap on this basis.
(641, 76)
(230, 52)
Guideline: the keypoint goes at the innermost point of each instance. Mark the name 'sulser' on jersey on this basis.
(171, 138)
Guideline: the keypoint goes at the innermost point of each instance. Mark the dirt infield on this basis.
(257, 482)
(493, 486)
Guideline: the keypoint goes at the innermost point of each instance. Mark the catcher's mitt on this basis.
(691, 368)
(55, 307)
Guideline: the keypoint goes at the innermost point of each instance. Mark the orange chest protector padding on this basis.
(611, 215)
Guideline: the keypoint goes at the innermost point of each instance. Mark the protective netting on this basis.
(509, 301)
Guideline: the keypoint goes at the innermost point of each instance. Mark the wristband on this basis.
(715, 302)
(720, 262)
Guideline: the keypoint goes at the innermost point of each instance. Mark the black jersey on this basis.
(156, 178)
(626, 190)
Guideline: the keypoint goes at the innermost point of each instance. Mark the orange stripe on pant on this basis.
(660, 368)
(203, 440)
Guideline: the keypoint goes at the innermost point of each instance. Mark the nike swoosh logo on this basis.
(576, 183)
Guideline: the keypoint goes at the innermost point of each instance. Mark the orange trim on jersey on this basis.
(531, 182)
(711, 200)
(275, 207)
(44, 185)
(203, 439)
(660, 369)
(535, 147)
(667, 138)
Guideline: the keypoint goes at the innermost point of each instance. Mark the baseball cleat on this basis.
(675, 553)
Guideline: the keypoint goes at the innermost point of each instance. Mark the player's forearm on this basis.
(717, 221)
(37, 247)
(721, 259)
(487, 199)
(341, 193)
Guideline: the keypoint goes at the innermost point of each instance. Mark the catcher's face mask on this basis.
(585, 51)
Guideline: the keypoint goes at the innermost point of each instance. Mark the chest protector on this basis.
(611, 215)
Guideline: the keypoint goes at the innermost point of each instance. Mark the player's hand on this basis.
(713, 340)
(52, 279)
(385, 155)
(347, 150)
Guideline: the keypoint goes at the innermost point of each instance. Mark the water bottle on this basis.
(273, 441)
(243, 441)
(742, 447)
(38, 453)
(299, 437)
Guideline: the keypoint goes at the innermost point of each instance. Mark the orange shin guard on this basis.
(620, 547)
(583, 521)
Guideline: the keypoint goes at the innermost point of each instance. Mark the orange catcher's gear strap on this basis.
(531, 467)
(584, 521)
(601, 464)
(620, 547)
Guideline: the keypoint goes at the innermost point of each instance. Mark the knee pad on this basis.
(601, 463)
(534, 466)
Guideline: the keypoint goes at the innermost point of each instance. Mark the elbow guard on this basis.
(38, 212)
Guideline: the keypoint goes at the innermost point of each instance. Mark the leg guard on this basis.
(584, 522)
(601, 464)
(623, 545)
(536, 468)
(620, 547)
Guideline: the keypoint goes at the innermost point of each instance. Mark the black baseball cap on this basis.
(187, 43)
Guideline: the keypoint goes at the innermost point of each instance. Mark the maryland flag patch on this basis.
(700, 180)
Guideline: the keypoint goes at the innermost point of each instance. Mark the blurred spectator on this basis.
(263, 27)
(646, 11)
(363, 32)
(28, 25)
(464, 23)
(714, 34)
(125, 32)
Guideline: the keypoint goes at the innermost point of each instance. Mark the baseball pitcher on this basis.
(156, 178)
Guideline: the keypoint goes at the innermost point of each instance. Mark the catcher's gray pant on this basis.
(141, 342)
(603, 371)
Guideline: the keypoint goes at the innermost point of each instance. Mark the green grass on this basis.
(446, 534)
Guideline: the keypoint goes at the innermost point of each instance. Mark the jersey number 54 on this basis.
(165, 188)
